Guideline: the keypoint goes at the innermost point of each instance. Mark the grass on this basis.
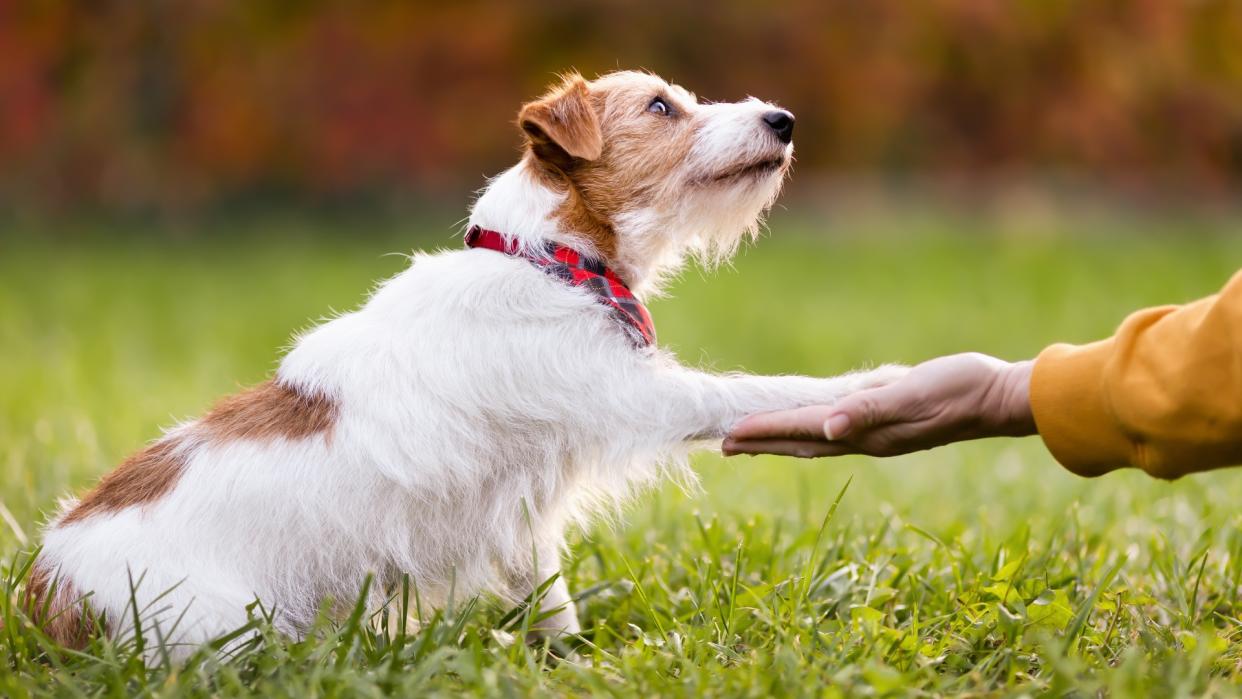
(978, 569)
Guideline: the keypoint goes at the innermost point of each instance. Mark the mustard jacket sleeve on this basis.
(1164, 394)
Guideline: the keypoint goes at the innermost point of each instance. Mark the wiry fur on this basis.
(472, 409)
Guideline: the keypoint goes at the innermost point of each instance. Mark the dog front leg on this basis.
(556, 605)
(705, 406)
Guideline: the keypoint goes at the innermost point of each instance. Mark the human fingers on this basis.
(805, 423)
(801, 448)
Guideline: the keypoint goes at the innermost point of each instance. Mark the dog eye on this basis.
(659, 106)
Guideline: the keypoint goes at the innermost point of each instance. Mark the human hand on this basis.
(944, 400)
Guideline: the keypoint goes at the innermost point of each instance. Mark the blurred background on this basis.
(179, 110)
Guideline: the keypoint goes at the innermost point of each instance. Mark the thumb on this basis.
(861, 411)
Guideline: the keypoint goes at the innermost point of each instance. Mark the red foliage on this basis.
(132, 104)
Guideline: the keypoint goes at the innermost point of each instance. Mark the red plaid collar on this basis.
(577, 269)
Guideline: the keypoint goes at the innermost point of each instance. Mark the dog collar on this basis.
(576, 269)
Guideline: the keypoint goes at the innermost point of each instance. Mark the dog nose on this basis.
(782, 123)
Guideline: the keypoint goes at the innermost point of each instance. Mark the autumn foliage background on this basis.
(199, 105)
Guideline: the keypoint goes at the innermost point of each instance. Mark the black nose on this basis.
(782, 123)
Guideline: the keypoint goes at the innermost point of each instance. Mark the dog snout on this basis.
(781, 122)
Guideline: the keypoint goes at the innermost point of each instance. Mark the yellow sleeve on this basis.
(1164, 394)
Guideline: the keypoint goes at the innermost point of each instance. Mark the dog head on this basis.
(650, 173)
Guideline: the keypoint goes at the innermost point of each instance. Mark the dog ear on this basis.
(561, 127)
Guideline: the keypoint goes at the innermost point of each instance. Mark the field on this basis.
(982, 569)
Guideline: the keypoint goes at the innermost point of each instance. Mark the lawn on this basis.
(982, 568)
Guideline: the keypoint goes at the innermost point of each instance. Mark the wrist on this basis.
(1013, 390)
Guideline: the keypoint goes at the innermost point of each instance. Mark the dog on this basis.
(478, 405)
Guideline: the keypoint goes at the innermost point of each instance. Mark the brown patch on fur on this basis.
(266, 411)
(638, 156)
(269, 410)
(141, 478)
(577, 216)
(563, 135)
(55, 606)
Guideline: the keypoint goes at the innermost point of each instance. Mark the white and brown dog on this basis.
(478, 404)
